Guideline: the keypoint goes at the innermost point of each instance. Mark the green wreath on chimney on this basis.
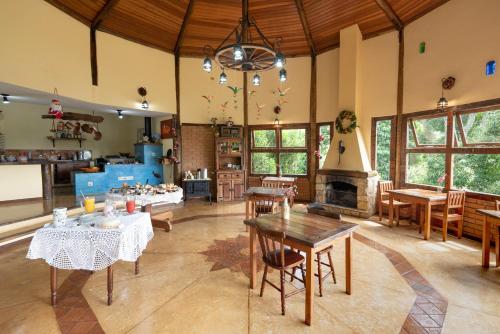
(339, 122)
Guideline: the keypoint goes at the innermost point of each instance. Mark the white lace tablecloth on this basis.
(92, 248)
(174, 197)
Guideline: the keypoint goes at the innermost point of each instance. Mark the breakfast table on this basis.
(491, 217)
(309, 233)
(92, 242)
(420, 197)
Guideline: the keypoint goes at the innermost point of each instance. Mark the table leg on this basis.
(427, 221)
(247, 212)
(309, 286)
(253, 259)
(348, 264)
(486, 242)
(110, 285)
(53, 285)
(136, 269)
(391, 209)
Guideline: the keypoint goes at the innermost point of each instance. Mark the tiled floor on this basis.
(194, 280)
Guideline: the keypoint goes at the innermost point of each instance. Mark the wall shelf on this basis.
(54, 139)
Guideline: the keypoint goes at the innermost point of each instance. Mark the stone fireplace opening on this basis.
(342, 194)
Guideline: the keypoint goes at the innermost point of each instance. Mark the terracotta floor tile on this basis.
(430, 309)
(412, 327)
(424, 320)
(83, 327)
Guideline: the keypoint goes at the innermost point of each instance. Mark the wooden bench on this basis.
(162, 219)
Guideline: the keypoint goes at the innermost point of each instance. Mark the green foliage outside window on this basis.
(263, 163)
(324, 146)
(293, 163)
(382, 150)
(425, 168)
(477, 172)
(264, 138)
(293, 138)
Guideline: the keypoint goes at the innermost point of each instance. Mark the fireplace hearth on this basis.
(346, 192)
(342, 193)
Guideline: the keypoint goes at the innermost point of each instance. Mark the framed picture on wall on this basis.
(167, 129)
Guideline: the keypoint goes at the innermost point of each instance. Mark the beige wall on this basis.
(45, 48)
(379, 80)
(296, 109)
(461, 36)
(327, 81)
(23, 127)
(194, 83)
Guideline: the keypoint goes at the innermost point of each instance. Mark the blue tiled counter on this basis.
(149, 170)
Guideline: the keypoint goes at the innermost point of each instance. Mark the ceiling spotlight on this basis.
(207, 64)
(256, 80)
(282, 75)
(5, 98)
(223, 78)
(145, 104)
(277, 122)
(238, 52)
(280, 60)
(120, 115)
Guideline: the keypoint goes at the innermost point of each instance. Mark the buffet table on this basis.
(88, 245)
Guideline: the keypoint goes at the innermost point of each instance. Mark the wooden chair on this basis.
(265, 204)
(328, 252)
(455, 200)
(382, 194)
(276, 256)
(280, 185)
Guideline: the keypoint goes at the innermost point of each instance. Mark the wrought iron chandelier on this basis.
(242, 51)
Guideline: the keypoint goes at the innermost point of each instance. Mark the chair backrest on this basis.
(455, 200)
(383, 186)
(497, 204)
(263, 203)
(272, 246)
(271, 184)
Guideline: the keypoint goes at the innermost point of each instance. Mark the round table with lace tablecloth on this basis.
(87, 245)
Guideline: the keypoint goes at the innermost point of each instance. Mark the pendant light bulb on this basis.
(282, 75)
(207, 65)
(238, 52)
(223, 78)
(442, 103)
(256, 80)
(145, 104)
(280, 60)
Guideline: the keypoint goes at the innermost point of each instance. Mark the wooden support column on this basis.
(313, 136)
(313, 130)
(178, 123)
(246, 136)
(399, 112)
(448, 180)
(94, 25)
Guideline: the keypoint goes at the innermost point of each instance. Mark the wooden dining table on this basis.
(491, 217)
(309, 233)
(422, 198)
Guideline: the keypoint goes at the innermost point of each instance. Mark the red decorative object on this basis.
(167, 129)
(56, 108)
(277, 110)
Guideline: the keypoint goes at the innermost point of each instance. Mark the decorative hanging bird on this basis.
(224, 105)
(208, 98)
(259, 109)
(283, 92)
(252, 92)
(235, 90)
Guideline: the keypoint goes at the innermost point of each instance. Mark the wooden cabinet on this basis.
(197, 188)
(230, 185)
(229, 153)
(62, 170)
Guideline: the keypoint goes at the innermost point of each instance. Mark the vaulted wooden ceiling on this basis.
(160, 23)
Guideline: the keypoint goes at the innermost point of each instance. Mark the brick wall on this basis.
(198, 148)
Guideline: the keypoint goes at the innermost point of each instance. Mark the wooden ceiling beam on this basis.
(391, 14)
(182, 31)
(105, 10)
(305, 25)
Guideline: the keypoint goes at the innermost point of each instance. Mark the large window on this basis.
(284, 148)
(470, 159)
(382, 146)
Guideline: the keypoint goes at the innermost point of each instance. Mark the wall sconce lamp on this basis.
(119, 112)
(5, 98)
(143, 92)
(446, 83)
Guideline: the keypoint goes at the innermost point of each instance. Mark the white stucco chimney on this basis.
(355, 157)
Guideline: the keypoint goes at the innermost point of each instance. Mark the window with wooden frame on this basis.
(285, 148)
(383, 145)
(463, 144)
(325, 134)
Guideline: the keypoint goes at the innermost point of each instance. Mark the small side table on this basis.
(197, 188)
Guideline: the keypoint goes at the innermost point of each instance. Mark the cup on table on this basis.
(89, 204)
(59, 216)
(130, 204)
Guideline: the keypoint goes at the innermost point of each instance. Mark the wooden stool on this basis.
(159, 220)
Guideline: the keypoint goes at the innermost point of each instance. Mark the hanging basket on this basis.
(339, 122)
